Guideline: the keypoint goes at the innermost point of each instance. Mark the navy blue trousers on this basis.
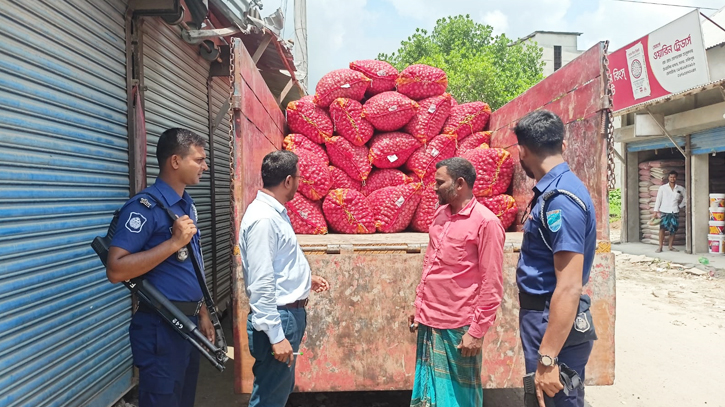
(274, 380)
(168, 365)
(532, 325)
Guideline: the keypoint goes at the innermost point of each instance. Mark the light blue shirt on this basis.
(276, 271)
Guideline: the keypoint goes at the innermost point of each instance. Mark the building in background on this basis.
(686, 124)
(559, 48)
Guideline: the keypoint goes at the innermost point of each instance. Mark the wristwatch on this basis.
(548, 361)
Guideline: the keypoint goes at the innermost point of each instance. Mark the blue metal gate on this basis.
(63, 171)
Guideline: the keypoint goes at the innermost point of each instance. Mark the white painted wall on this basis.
(716, 62)
(568, 43)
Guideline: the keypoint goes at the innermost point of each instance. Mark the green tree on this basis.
(480, 66)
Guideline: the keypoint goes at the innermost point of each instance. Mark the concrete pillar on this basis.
(698, 194)
(630, 200)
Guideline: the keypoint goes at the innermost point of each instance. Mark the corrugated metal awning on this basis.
(674, 96)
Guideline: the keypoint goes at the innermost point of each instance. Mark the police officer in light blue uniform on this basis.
(149, 243)
(556, 257)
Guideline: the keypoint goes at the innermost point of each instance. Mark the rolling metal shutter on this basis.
(222, 283)
(63, 171)
(708, 141)
(175, 77)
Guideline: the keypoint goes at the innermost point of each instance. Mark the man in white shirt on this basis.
(670, 199)
(278, 281)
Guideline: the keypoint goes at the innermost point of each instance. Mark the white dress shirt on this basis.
(668, 199)
(275, 270)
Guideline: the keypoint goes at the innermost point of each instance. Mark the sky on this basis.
(340, 31)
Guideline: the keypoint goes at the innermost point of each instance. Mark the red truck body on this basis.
(357, 335)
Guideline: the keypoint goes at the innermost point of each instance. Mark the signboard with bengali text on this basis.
(669, 60)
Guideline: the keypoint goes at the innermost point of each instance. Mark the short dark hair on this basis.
(458, 167)
(177, 141)
(542, 132)
(277, 166)
(673, 172)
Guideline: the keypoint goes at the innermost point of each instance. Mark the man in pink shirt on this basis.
(459, 292)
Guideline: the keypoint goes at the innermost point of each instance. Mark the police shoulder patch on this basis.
(135, 222)
(553, 220)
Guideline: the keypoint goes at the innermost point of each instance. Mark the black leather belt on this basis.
(294, 305)
(188, 308)
(533, 302)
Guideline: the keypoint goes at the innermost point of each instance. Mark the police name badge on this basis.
(182, 254)
(135, 222)
(553, 220)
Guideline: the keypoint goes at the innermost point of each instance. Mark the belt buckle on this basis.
(304, 302)
(198, 308)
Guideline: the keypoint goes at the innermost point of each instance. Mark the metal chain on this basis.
(609, 121)
(232, 241)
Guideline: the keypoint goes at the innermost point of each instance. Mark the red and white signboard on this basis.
(669, 60)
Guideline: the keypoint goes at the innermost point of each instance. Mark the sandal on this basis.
(672, 249)
(658, 251)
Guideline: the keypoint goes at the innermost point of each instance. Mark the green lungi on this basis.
(444, 378)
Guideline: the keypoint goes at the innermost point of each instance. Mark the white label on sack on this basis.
(303, 214)
(432, 109)
(434, 152)
(381, 72)
(393, 108)
(393, 158)
(400, 202)
(345, 86)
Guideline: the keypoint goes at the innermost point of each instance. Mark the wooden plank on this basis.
(251, 75)
(257, 114)
(384, 239)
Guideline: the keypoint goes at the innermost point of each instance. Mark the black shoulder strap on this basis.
(210, 307)
(545, 200)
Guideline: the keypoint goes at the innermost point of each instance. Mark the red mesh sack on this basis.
(494, 170)
(340, 83)
(475, 140)
(467, 118)
(306, 217)
(422, 81)
(295, 142)
(382, 75)
(394, 207)
(350, 158)
(454, 102)
(503, 206)
(349, 122)
(340, 179)
(389, 111)
(306, 118)
(427, 207)
(430, 117)
(348, 211)
(315, 180)
(423, 161)
(379, 179)
(391, 150)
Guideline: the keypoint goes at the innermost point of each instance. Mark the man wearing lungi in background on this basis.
(458, 294)
(670, 199)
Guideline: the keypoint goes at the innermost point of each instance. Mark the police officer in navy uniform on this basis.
(149, 243)
(556, 258)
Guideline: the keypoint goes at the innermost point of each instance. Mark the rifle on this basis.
(149, 295)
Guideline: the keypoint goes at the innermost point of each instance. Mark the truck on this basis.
(357, 335)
